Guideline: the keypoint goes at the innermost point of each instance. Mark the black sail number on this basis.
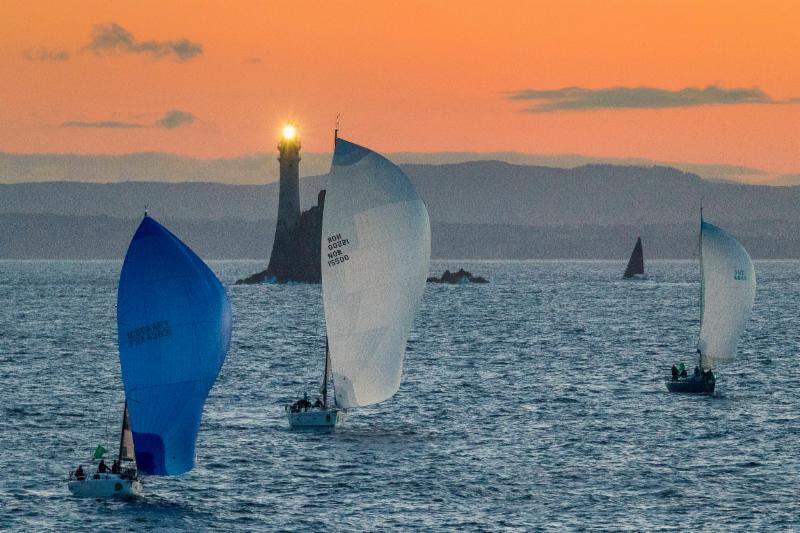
(337, 250)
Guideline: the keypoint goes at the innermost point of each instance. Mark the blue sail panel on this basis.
(174, 328)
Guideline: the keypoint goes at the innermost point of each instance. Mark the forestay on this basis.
(728, 289)
(376, 247)
(174, 327)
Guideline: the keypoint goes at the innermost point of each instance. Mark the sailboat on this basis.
(174, 329)
(635, 269)
(376, 246)
(122, 481)
(727, 293)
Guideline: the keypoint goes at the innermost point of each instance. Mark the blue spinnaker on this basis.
(174, 327)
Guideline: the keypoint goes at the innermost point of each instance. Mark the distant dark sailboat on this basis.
(635, 268)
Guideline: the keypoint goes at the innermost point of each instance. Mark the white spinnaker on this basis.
(376, 246)
(727, 296)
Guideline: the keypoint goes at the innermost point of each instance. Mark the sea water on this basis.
(536, 401)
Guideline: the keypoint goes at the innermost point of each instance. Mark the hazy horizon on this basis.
(261, 167)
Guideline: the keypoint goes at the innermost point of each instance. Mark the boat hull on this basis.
(691, 386)
(105, 486)
(316, 419)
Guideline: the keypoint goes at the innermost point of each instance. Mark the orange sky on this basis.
(405, 76)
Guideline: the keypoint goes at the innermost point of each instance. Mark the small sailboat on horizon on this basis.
(727, 294)
(635, 268)
(375, 251)
(174, 330)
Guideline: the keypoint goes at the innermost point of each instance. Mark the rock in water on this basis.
(454, 278)
(299, 259)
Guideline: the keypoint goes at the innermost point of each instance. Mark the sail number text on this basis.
(150, 332)
(336, 250)
(739, 274)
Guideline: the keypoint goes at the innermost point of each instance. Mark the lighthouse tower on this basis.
(296, 248)
(288, 203)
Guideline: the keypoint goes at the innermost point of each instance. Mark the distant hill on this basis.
(490, 192)
(483, 209)
(260, 168)
(483, 192)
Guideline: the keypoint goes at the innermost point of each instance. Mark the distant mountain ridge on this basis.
(483, 192)
(480, 209)
(261, 168)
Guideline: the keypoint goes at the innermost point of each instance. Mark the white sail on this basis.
(728, 289)
(376, 246)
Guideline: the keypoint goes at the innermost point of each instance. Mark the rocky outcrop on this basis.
(455, 278)
(298, 260)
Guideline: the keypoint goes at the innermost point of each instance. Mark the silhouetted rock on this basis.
(299, 260)
(455, 278)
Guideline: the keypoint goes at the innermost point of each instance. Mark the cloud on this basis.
(171, 120)
(101, 124)
(175, 119)
(46, 54)
(114, 39)
(580, 99)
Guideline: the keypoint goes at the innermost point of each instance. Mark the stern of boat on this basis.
(316, 419)
(690, 385)
(105, 485)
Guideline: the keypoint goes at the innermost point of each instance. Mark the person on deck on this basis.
(683, 373)
(102, 468)
(674, 373)
(697, 372)
(304, 404)
(80, 475)
(115, 467)
(318, 403)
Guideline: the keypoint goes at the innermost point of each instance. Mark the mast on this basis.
(702, 284)
(325, 376)
(336, 130)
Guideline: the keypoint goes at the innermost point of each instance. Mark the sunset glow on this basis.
(706, 82)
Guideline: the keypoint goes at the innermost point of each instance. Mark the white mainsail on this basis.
(728, 289)
(376, 246)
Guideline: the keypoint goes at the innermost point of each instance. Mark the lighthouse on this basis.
(296, 248)
(288, 202)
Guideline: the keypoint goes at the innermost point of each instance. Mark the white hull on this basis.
(105, 486)
(321, 419)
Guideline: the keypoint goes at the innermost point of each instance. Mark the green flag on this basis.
(99, 451)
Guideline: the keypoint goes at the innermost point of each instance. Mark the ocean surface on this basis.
(534, 402)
